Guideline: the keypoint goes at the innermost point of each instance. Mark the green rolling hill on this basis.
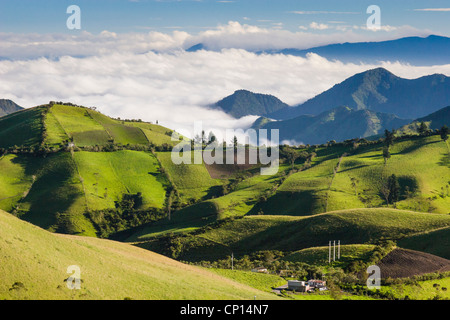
(72, 170)
(42, 182)
(289, 234)
(34, 266)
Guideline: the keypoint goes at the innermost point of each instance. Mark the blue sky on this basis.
(121, 16)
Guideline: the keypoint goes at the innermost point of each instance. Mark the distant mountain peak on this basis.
(244, 102)
(379, 90)
(8, 106)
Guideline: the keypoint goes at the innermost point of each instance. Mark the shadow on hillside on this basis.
(354, 168)
(445, 160)
(52, 194)
(302, 203)
(416, 145)
(214, 191)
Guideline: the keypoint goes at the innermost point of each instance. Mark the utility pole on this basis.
(339, 249)
(329, 252)
(334, 250)
(232, 258)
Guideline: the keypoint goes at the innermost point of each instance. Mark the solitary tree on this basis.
(444, 133)
(389, 137)
(235, 142)
(394, 188)
(354, 183)
(211, 138)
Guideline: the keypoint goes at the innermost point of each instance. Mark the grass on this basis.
(16, 178)
(56, 199)
(156, 134)
(79, 125)
(319, 255)
(120, 132)
(421, 164)
(22, 128)
(422, 290)
(260, 281)
(192, 180)
(436, 242)
(107, 176)
(289, 234)
(55, 132)
(36, 268)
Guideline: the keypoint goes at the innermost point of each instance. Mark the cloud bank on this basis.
(149, 75)
(174, 88)
(231, 35)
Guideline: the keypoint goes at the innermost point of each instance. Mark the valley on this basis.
(110, 186)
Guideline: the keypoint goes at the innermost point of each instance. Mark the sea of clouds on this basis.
(150, 76)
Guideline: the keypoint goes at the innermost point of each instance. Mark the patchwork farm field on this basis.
(420, 164)
(108, 175)
(73, 170)
(192, 180)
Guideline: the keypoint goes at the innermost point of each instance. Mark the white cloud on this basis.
(325, 12)
(231, 35)
(318, 26)
(119, 74)
(174, 87)
(434, 9)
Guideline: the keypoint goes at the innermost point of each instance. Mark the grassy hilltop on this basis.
(109, 270)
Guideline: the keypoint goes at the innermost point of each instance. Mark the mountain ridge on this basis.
(378, 90)
(339, 124)
(416, 50)
(8, 106)
(243, 102)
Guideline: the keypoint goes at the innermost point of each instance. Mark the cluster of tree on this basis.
(390, 189)
(127, 214)
(293, 155)
(269, 259)
(112, 147)
(37, 150)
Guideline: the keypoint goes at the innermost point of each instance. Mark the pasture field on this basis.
(80, 126)
(319, 255)
(192, 180)
(109, 270)
(109, 175)
(17, 175)
(422, 290)
(23, 128)
(421, 165)
(289, 234)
